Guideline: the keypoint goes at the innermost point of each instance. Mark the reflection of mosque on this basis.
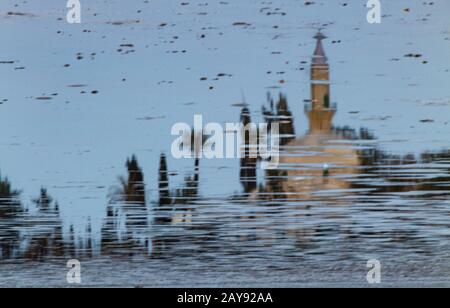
(329, 158)
(315, 161)
(325, 159)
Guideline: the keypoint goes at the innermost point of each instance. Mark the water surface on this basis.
(86, 170)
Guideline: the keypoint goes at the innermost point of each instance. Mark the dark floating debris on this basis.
(151, 118)
(122, 22)
(20, 14)
(412, 55)
(239, 105)
(77, 86)
(241, 24)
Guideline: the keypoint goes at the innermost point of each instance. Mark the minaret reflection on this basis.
(321, 159)
(320, 111)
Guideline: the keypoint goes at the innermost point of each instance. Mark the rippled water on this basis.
(303, 225)
(367, 178)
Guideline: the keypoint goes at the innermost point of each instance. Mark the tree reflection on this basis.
(10, 212)
(328, 164)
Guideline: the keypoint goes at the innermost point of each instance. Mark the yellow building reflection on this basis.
(322, 159)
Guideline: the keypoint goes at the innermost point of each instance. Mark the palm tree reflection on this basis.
(308, 198)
